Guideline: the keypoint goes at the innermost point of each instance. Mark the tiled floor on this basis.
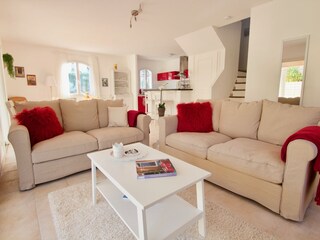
(26, 215)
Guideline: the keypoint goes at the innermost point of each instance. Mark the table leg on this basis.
(201, 206)
(142, 225)
(94, 182)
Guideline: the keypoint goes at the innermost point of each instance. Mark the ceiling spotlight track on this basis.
(134, 14)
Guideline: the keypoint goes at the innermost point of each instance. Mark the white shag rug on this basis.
(75, 217)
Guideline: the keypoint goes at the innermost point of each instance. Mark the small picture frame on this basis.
(31, 80)
(105, 82)
(19, 72)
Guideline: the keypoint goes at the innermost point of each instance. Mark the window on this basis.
(291, 79)
(78, 75)
(145, 79)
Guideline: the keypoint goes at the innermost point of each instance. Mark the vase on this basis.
(161, 111)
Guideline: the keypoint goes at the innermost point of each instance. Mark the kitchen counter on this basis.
(170, 96)
(168, 89)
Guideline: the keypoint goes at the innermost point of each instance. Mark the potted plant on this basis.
(8, 63)
(161, 109)
(161, 106)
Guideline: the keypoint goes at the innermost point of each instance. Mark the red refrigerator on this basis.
(141, 103)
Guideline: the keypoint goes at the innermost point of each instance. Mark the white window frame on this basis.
(284, 89)
(78, 81)
(148, 81)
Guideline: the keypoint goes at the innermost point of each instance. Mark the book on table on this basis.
(155, 168)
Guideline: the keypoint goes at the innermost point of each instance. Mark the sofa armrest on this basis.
(299, 179)
(167, 126)
(143, 122)
(20, 140)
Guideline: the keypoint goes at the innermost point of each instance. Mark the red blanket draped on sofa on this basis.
(132, 117)
(312, 134)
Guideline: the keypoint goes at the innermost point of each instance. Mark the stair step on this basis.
(240, 86)
(236, 97)
(241, 80)
(239, 89)
(241, 73)
(239, 93)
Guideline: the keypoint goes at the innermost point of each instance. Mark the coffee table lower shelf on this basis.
(164, 220)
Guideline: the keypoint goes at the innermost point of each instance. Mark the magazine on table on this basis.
(155, 168)
(131, 152)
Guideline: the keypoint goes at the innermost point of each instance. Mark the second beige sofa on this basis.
(243, 152)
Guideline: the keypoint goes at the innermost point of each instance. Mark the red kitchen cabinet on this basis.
(168, 76)
(162, 76)
(173, 75)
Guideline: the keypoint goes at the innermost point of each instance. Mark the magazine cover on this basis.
(155, 168)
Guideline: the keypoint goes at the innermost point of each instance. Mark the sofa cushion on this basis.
(194, 117)
(279, 121)
(79, 116)
(240, 119)
(103, 110)
(216, 110)
(117, 117)
(196, 144)
(41, 122)
(65, 145)
(54, 104)
(249, 156)
(109, 135)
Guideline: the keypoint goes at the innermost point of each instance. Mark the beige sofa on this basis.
(243, 152)
(86, 129)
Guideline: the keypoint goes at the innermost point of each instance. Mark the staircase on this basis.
(239, 88)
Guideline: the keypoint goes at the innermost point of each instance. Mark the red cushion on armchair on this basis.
(195, 117)
(41, 122)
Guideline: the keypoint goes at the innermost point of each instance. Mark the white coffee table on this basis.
(152, 210)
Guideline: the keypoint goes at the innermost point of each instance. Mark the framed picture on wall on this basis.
(19, 72)
(31, 80)
(104, 82)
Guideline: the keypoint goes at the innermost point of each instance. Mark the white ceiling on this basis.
(102, 26)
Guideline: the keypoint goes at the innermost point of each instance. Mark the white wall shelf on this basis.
(121, 87)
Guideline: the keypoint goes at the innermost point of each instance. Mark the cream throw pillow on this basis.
(117, 117)
(103, 110)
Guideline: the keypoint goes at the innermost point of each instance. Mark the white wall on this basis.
(272, 23)
(204, 70)
(106, 64)
(43, 61)
(206, 60)
(36, 60)
(4, 117)
(133, 65)
(201, 41)
(213, 67)
(230, 36)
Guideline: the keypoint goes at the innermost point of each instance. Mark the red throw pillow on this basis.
(195, 117)
(41, 122)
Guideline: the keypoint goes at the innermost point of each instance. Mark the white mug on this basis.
(118, 150)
